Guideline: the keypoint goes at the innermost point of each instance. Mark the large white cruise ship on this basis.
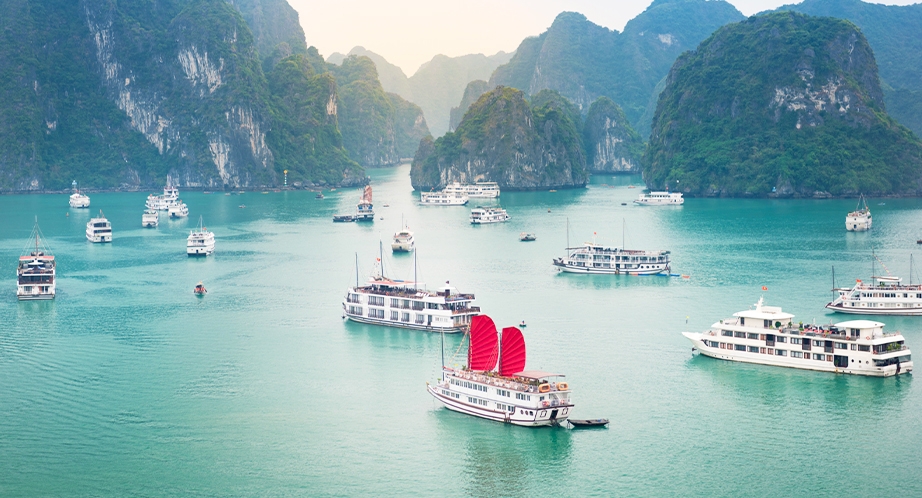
(163, 202)
(200, 242)
(479, 190)
(481, 216)
(860, 219)
(78, 200)
(99, 229)
(495, 384)
(768, 336)
(660, 199)
(403, 304)
(885, 296)
(35, 276)
(442, 199)
(594, 258)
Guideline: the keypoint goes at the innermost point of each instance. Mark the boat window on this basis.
(780, 339)
(798, 354)
(753, 349)
(726, 333)
(864, 347)
(818, 356)
(741, 335)
(739, 347)
(752, 336)
(818, 343)
(841, 345)
(780, 352)
(795, 340)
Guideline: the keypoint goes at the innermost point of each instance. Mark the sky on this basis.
(410, 32)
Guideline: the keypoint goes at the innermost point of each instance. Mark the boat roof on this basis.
(762, 312)
(30, 257)
(859, 324)
(537, 374)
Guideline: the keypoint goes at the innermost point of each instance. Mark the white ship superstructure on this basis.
(150, 218)
(364, 211)
(179, 210)
(78, 200)
(495, 384)
(479, 190)
(768, 336)
(660, 199)
(99, 229)
(884, 296)
(480, 216)
(442, 199)
(163, 202)
(594, 258)
(859, 220)
(200, 242)
(403, 241)
(35, 275)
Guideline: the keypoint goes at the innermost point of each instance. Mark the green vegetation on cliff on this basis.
(472, 92)
(782, 104)
(504, 139)
(612, 146)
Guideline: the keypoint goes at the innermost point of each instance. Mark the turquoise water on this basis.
(128, 384)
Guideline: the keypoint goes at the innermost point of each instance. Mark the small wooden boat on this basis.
(319, 195)
(522, 325)
(919, 241)
(597, 422)
(200, 290)
(242, 206)
(343, 218)
(527, 237)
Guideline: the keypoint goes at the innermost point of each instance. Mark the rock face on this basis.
(503, 139)
(780, 104)
(410, 124)
(612, 146)
(584, 61)
(472, 92)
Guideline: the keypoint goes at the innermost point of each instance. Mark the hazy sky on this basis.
(410, 32)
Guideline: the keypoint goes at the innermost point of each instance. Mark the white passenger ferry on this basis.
(403, 241)
(200, 242)
(480, 216)
(660, 199)
(163, 202)
(768, 336)
(364, 211)
(99, 229)
(495, 384)
(399, 303)
(78, 200)
(594, 258)
(442, 199)
(884, 296)
(150, 218)
(859, 220)
(35, 274)
(479, 190)
(179, 210)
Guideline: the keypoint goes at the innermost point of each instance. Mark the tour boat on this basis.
(495, 385)
(405, 304)
(343, 218)
(364, 211)
(442, 199)
(481, 190)
(179, 210)
(199, 290)
(403, 241)
(99, 229)
(885, 296)
(35, 274)
(660, 199)
(163, 202)
(480, 216)
(150, 218)
(768, 336)
(78, 200)
(527, 237)
(200, 242)
(594, 258)
(859, 220)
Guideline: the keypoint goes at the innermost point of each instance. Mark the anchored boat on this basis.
(99, 229)
(481, 216)
(481, 190)
(200, 242)
(35, 276)
(859, 220)
(364, 211)
(78, 200)
(660, 199)
(495, 384)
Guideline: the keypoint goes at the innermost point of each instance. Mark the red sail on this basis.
(482, 352)
(366, 194)
(512, 357)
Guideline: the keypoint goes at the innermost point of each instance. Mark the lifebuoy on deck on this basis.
(562, 386)
(544, 388)
(867, 338)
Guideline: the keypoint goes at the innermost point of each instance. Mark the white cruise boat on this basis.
(365, 211)
(35, 274)
(163, 202)
(480, 216)
(179, 210)
(660, 199)
(885, 296)
(403, 304)
(99, 229)
(479, 190)
(403, 241)
(78, 200)
(593, 258)
(200, 242)
(442, 199)
(859, 220)
(768, 336)
(150, 218)
(505, 392)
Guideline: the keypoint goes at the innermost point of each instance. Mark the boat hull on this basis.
(541, 417)
(99, 239)
(608, 271)
(697, 341)
(405, 325)
(35, 297)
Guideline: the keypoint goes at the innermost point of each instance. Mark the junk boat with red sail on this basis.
(495, 384)
(35, 275)
(364, 211)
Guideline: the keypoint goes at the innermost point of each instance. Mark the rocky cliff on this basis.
(780, 104)
(472, 92)
(504, 139)
(611, 145)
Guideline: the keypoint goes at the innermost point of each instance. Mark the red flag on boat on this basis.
(512, 352)
(482, 351)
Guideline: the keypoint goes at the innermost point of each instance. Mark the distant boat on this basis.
(343, 218)
(36, 271)
(200, 290)
(596, 422)
(200, 242)
(150, 218)
(442, 199)
(480, 216)
(179, 210)
(364, 211)
(99, 229)
(859, 220)
(403, 241)
(78, 200)
(527, 237)
(163, 202)
(660, 199)
(485, 190)
(319, 195)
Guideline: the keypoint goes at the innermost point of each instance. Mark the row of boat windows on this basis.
(885, 305)
(887, 294)
(478, 401)
(32, 279)
(632, 259)
(797, 354)
(501, 392)
(449, 393)
(395, 303)
(806, 343)
(469, 385)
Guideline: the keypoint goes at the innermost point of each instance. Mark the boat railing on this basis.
(894, 350)
(469, 309)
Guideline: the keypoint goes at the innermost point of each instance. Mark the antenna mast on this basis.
(356, 270)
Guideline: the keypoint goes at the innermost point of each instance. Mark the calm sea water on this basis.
(127, 384)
